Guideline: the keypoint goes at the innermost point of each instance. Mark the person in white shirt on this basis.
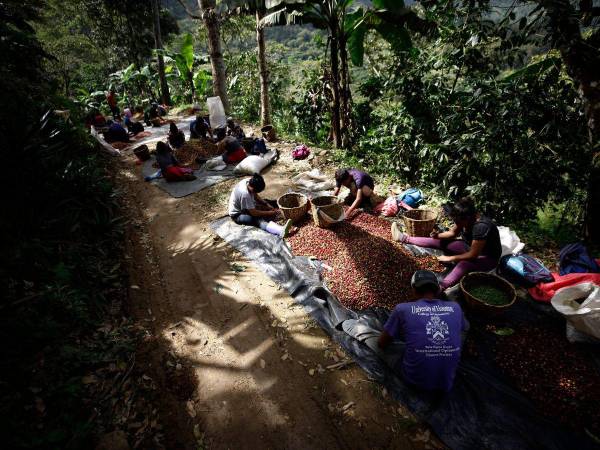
(247, 208)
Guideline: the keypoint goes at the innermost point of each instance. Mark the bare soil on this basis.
(236, 363)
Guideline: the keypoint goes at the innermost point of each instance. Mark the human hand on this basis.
(434, 234)
(445, 259)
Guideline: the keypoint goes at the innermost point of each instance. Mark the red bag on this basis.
(235, 156)
(388, 208)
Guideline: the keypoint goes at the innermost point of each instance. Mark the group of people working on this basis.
(425, 335)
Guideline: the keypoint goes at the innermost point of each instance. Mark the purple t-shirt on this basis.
(431, 330)
(361, 178)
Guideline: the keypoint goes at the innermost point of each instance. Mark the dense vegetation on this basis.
(494, 99)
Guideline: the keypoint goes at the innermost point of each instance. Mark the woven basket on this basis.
(268, 132)
(419, 222)
(294, 206)
(326, 211)
(142, 152)
(474, 279)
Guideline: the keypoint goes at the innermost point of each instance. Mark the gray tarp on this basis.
(481, 411)
(177, 189)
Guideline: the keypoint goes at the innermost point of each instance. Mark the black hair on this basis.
(221, 132)
(257, 182)
(427, 289)
(463, 209)
(162, 148)
(341, 175)
(173, 128)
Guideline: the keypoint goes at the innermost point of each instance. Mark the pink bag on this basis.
(388, 208)
(300, 152)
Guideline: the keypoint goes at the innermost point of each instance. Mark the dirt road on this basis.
(237, 363)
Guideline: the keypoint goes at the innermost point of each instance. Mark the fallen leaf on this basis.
(263, 364)
(311, 372)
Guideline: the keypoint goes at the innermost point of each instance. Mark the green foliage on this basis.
(443, 116)
(244, 87)
(61, 247)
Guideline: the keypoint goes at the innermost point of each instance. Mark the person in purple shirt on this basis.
(431, 330)
(359, 183)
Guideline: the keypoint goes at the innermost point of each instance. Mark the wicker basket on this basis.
(483, 278)
(326, 211)
(142, 152)
(268, 132)
(294, 206)
(419, 222)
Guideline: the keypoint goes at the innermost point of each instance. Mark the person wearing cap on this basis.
(431, 331)
(478, 250)
(233, 129)
(246, 207)
(359, 183)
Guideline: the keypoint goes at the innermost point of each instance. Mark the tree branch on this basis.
(188, 11)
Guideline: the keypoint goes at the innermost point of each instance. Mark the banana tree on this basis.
(347, 29)
(184, 62)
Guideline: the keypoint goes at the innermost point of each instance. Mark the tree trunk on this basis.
(345, 95)
(211, 22)
(581, 61)
(265, 107)
(335, 84)
(164, 86)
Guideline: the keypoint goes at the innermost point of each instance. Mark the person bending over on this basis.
(431, 331)
(176, 137)
(200, 128)
(169, 166)
(116, 133)
(246, 207)
(233, 152)
(359, 183)
(233, 129)
(478, 250)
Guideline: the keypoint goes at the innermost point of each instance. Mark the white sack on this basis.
(511, 244)
(216, 113)
(584, 317)
(254, 164)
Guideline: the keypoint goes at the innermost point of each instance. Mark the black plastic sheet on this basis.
(481, 411)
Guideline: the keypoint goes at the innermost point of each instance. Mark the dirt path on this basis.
(238, 363)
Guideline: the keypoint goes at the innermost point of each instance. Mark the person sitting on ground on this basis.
(246, 207)
(111, 99)
(233, 129)
(361, 187)
(176, 137)
(200, 128)
(153, 117)
(233, 151)
(431, 331)
(133, 126)
(478, 250)
(220, 133)
(115, 133)
(169, 166)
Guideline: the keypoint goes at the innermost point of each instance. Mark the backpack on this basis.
(412, 197)
(300, 152)
(523, 270)
(259, 147)
(575, 258)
